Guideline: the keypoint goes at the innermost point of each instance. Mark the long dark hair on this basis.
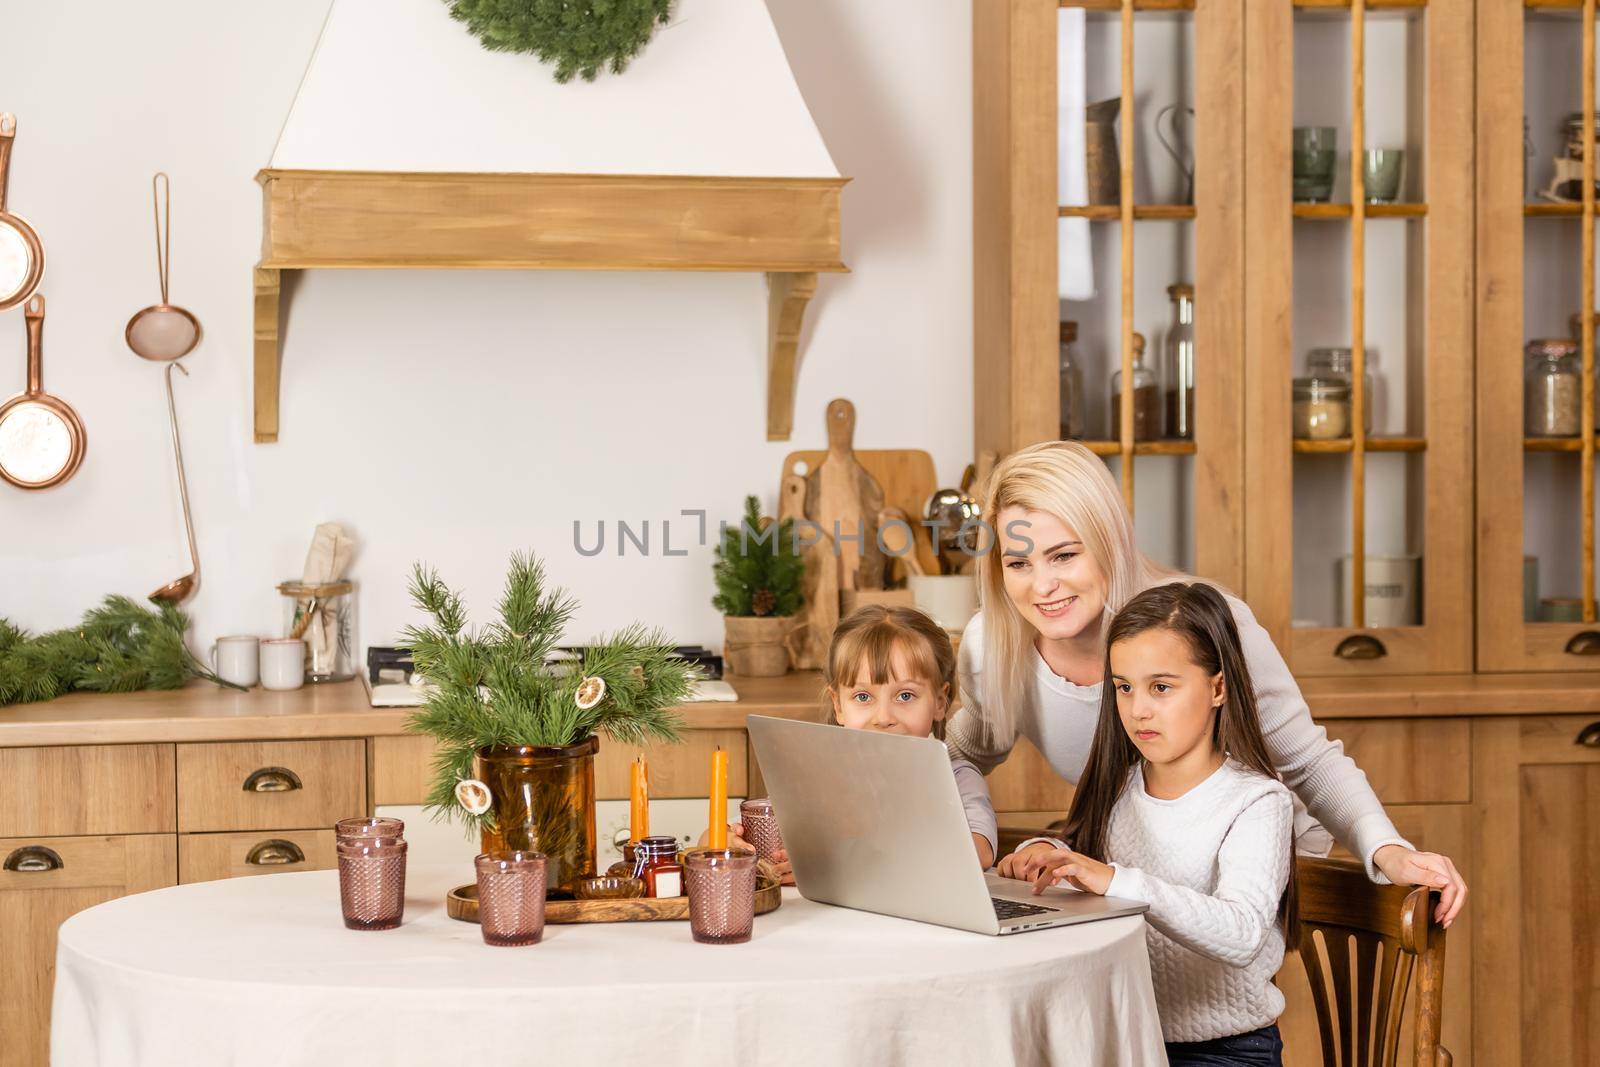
(1197, 613)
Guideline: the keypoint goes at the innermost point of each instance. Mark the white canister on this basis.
(949, 599)
(237, 660)
(283, 663)
(1394, 591)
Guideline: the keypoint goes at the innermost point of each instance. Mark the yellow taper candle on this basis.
(639, 801)
(719, 800)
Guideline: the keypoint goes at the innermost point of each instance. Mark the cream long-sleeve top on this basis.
(1212, 865)
(1059, 718)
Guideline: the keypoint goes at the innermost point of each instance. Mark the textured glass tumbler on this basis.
(1316, 160)
(722, 894)
(761, 828)
(511, 897)
(372, 872)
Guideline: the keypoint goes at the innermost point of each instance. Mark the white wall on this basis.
(447, 416)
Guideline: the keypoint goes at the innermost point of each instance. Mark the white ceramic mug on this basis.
(237, 660)
(283, 663)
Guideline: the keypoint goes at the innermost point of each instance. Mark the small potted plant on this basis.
(758, 575)
(516, 730)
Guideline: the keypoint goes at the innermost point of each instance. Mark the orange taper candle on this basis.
(639, 801)
(719, 800)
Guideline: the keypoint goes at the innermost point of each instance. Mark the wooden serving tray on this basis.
(462, 903)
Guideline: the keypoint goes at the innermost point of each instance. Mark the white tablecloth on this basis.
(262, 971)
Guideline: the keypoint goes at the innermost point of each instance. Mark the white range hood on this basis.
(410, 145)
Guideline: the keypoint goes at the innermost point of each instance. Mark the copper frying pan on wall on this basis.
(41, 438)
(21, 253)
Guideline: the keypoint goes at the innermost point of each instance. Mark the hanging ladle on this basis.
(180, 589)
(163, 332)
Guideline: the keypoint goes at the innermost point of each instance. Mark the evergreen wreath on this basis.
(578, 36)
(119, 647)
(759, 569)
(498, 686)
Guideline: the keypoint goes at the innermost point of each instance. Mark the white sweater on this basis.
(1059, 718)
(1212, 865)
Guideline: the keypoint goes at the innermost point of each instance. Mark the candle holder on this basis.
(721, 885)
(372, 872)
(511, 889)
(761, 828)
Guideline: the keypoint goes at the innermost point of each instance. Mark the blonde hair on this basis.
(866, 641)
(1066, 480)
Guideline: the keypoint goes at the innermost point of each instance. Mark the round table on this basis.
(262, 971)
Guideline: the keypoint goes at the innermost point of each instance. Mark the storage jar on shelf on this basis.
(1178, 368)
(1338, 364)
(1321, 409)
(1146, 398)
(1552, 391)
(1071, 379)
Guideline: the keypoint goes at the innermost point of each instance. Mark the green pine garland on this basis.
(758, 571)
(578, 36)
(493, 687)
(119, 647)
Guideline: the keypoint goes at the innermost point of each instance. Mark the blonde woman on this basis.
(1063, 561)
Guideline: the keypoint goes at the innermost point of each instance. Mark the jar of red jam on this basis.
(657, 865)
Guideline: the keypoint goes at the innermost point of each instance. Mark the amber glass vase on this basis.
(543, 801)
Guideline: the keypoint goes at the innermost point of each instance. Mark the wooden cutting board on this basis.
(813, 631)
(907, 478)
(841, 495)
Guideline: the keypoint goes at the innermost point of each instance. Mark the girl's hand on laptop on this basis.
(1074, 868)
(1026, 863)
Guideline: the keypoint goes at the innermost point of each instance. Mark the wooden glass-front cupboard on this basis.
(1455, 491)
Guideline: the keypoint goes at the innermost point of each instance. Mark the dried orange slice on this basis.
(590, 692)
(473, 796)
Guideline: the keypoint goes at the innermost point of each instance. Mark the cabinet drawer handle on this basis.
(33, 858)
(272, 780)
(1585, 644)
(275, 853)
(1360, 646)
(1589, 736)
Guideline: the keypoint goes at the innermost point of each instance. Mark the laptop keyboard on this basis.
(1011, 909)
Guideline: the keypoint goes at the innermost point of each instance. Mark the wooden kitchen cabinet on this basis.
(1536, 965)
(55, 878)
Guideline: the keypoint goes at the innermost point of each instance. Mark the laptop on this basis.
(875, 822)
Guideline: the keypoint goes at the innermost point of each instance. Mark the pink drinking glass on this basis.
(721, 884)
(511, 897)
(761, 828)
(372, 872)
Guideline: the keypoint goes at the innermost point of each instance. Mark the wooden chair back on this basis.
(1360, 944)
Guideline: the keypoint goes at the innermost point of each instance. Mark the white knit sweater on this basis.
(1059, 718)
(1212, 865)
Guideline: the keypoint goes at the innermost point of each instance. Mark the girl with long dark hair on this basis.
(1179, 807)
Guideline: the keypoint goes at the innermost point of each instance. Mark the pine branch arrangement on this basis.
(758, 570)
(493, 686)
(119, 647)
(579, 36)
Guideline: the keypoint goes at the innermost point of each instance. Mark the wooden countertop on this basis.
(205, 712)
(202, 712)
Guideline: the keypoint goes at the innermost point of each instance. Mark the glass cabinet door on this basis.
(1536, 333)
(1358, 325)
(1153, 261)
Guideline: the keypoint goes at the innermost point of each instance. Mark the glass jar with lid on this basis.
(1321, 409)
(1146, 398)
(1338, 364)
(1071, 379)
(1177, 370)
(658, 866)
(1552, 390)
